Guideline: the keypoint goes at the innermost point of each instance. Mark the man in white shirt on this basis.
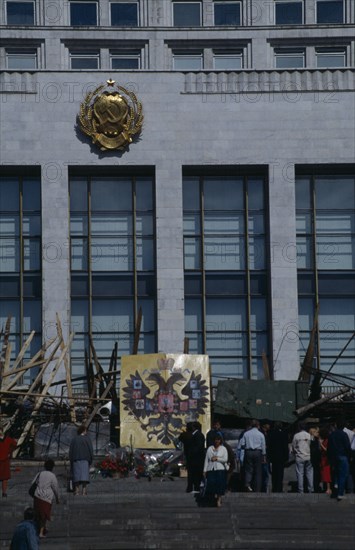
(301, 446)
(254, 445)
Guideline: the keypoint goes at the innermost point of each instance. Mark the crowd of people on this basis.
(324, 458)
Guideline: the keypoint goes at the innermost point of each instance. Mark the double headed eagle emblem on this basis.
(111, 115)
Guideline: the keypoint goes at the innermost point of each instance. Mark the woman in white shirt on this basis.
(215, 470)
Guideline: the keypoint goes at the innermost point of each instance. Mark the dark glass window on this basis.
(225, 272)
(112, 264)
(187, 14)
(325, 221)
(83, 13)
(330, 11)
(124, 14)
(288, 13)
(20, 13)
(82, 60)
(21, 262)
(125, 61)
(227, 13)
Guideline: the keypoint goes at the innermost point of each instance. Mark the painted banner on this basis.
(159, 394)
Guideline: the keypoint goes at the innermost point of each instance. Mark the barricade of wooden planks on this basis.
(48, 365)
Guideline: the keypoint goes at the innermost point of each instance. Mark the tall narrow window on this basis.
(225, 272)
(288, 12)
(20, 262)
(187, 14)
(325, 214)
(227, 13)
(112, 264)
(124, 14)
(83, 13)
(330, 11)
(20, 13)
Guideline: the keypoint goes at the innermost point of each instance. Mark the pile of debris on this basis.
(24, 408)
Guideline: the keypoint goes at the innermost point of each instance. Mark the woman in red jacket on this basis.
(7, 445)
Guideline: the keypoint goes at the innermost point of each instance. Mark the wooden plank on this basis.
(6, 367)
(39, 376)
(265, 366)
(6, 333)
(307, 365)
(301, 411)
(23, 350)
(43, 395)
(67, 371)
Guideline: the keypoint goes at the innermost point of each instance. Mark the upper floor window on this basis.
(84, 60)
(330, 11)
(125, 60)
(228, 61)
(21, 59)
(83, 13)
(289, 59)
(227, 13)
(189, 61)
(288, 13)
(20, 13)
(330, 57)
(187, 14)
(124, 14)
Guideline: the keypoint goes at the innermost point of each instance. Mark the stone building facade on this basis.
(231, 215)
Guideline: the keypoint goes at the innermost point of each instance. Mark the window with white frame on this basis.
(125, 60)
(330, 57)
(83, 14)
(124, 14)
(20, 13)
(227, 61)
(187, 14)
(187, 61)
(84, 60)
(330, 11)
(288, 12)
(289, 59)
(20, 59)
(227, 12)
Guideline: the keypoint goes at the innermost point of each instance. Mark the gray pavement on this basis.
(136, 514)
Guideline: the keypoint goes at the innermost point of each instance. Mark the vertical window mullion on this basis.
(21, 260)
(89, 260)
(134, 245)
(202, 253)
(315, 262)
(247, 267)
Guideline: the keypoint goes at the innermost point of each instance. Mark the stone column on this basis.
(170, 265)
(55, 251)
(283, 267)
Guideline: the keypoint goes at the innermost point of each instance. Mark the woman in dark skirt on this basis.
(46, 491)
(215, 470)
(81, 454)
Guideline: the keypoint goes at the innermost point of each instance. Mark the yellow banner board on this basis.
(159, 394)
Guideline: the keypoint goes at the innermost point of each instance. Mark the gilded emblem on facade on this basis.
(111, 115)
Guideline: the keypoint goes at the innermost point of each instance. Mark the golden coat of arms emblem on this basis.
(111, 115)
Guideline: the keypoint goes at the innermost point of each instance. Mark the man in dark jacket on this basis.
(339, 452)
(195, 456)
(277, 455)
(215, 431)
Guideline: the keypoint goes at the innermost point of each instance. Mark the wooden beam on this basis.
(302, 410)
(43, 395)
(67, 370)
(186, 345)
